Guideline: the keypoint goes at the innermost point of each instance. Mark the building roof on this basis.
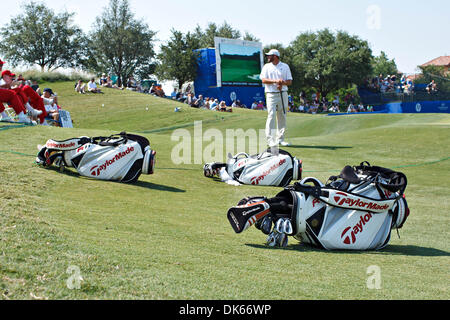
(441, 61)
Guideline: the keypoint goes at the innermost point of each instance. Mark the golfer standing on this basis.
(276, 77)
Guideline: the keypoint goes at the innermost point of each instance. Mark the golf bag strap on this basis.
(395, 181)
(346, 200)
(111, 141)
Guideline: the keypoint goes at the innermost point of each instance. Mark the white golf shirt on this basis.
(92, 85)
(274, 72)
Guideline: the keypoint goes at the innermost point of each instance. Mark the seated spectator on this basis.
(431, 87)
(361, 107)
(260, 106)
(351, 108)
(157, 91)
(35, 87)
(14, 100)
(181, 96)
(403, 79)
(314, 107)
(190, 99)
(29, 100)
(254, 105)
(199, 103)
(131, 84)
(333, 108)
(236, 104)
(336, 101)
(214, 105)
(408, 87)
(223, 107)
(207, 103)
(301, 108)
(325, 102)
(174, 93)
(103, 80)
(369, 108)
(80, 87)
(92, 87)
(107, 82)
(51, 104)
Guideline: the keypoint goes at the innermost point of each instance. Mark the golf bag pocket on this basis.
(121, 157)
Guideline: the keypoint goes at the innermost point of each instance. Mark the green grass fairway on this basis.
(167, 236)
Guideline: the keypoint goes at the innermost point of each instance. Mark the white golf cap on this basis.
(273, 52)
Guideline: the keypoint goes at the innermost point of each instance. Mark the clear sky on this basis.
(411, 32)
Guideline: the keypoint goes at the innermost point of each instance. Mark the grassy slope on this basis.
(167, 236)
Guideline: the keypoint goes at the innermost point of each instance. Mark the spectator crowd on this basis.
(390, 83)
(29, 104)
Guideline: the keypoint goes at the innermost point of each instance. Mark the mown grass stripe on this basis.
(185, 125)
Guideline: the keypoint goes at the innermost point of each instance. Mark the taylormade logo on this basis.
(357, 203)
(54, 145)
(349, 233)
(244, 213)
(256, 180)
(95, 170)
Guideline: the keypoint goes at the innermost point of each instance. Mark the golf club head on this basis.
(287, 227)
(279, 225)
(271, 239)
(266, 224)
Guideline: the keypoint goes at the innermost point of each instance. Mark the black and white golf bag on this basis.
(355, 211)
(265, 169)
(121, 157)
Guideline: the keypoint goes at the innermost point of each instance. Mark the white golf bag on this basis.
(122, 157)
(356, 211)
(265, 169)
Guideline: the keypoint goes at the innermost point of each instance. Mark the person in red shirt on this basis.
(30, 99)
(10, 97)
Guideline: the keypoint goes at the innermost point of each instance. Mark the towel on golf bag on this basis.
(355, 211)
(120, 157)
(265, 169)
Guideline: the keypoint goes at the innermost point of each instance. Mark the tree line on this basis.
(122, 44)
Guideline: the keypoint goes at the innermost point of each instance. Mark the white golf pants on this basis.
(276, 117)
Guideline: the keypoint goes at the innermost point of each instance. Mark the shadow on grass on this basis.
(319, 147)
(139, 183)
(155, 186)
(183, 169)
(390, 249)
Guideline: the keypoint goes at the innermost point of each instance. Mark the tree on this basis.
(177, 60)
(39, 36)
(326, 61)
(280, 47)
(382, 65)
(224, 31)
(120, 43)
